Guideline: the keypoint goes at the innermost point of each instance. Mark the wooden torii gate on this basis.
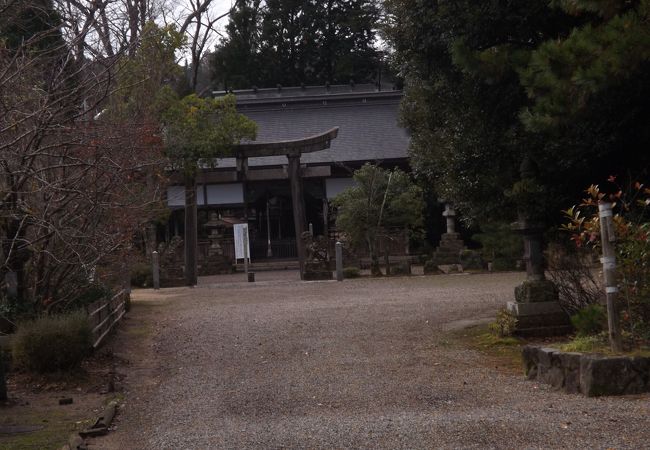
(292, 149)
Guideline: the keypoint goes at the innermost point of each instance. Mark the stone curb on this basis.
(589, 374)
(100, 427)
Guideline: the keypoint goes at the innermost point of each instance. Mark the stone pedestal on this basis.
(538, 311)
(536, 303)
(448, 252)
(317, 270)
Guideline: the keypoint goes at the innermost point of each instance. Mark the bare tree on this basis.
(73, 189)
(198, 20)
(107, 27)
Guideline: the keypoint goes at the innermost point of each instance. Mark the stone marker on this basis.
(155, 262)
(339, 261)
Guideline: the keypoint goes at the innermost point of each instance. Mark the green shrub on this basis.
(52, 343)
(141, 275)
(471, 260)
(590, 320)
(504, 325)
(351, 272)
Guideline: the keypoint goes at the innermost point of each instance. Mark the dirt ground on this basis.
(367, 363)
(33, 419)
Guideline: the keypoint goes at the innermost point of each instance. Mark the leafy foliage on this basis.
(381, 199)
(197, 130)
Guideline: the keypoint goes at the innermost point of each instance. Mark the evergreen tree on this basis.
(236, 61)
(288, 42)
(471, 71)
(346, 41)
(298, 42)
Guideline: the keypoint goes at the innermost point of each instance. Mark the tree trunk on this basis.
(190, 231)
(375, 269)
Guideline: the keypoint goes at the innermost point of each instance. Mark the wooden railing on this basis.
(103, 315)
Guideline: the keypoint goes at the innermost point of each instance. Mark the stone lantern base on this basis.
(538, 311)
(449, 250)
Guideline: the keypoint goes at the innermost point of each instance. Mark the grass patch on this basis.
(599, 344)
(584, 344)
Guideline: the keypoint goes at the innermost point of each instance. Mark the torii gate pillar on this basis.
(297, 200)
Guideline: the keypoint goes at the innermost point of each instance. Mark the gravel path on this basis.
(360, 364)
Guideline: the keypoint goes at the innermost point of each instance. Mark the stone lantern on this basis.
(451, 245)
(536, 303)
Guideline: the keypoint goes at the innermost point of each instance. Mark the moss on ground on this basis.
(58, 426)
(501, 352)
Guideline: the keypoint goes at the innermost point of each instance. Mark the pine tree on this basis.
(565, 76)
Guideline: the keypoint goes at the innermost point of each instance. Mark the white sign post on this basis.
(242, 248)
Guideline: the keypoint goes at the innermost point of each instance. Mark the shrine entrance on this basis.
(264, 202)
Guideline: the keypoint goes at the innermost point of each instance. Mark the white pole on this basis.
(246, 251)
(609, 271)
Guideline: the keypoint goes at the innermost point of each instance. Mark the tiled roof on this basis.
(368, 128)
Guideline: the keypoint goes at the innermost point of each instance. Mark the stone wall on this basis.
(590, 374)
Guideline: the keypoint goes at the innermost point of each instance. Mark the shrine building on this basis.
(326, 132)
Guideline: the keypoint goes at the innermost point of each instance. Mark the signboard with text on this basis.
(242, 248)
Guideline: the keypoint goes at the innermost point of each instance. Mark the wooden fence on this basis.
(103, 315)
